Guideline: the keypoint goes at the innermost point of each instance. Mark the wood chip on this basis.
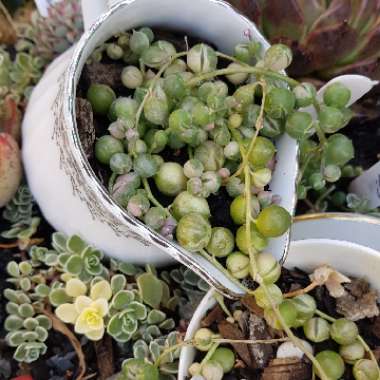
(261, 353)
(359, 302)
(231, 331)
(85, 123)
(287, 369)
(216, 315)
(250, 303)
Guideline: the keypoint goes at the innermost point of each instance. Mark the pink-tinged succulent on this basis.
(328, 37)
(10, 168)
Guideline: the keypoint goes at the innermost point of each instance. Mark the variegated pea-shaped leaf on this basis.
(129, 324)
(127, 268)
(51, 258)
(155, 350)
(75, 244)
(58, 297)
(13, 323)
(13, 269)
(14, 338)
(26, 310)
(25, 284)
(137, 309)
(59, 241)
(42, 333)
(168, 324)
(140, 349)
(118, 282)
(44, 321)
(30, 323)
(11, 308)
(42, 290)
(155, 317)
(150, 332)
(74, 265)
(122, 299)
(170, 368)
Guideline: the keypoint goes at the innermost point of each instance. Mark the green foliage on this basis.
(150, 352)
(20, 208)
(23, 231)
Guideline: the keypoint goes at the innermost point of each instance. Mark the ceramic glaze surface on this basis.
(349, 258)
(69, 194)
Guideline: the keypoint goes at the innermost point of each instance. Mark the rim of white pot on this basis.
(346, 253)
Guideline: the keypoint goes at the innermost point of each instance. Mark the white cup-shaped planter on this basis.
(348, 258)
(61, 179)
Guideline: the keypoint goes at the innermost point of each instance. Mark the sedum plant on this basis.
(94, 297)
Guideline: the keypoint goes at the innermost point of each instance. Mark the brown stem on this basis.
(60, 327)
(298, 292)
(104, 356)
(35, 241)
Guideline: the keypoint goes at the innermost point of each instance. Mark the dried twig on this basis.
(59, 326)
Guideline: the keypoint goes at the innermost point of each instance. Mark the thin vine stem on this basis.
(153, 199)
(153, 84)
(248, 70)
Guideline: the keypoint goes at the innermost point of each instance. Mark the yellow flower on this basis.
(86, 314)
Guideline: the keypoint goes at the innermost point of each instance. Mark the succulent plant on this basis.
(10, 168)
(20, 208)
(27, 327)
(78, 258)
(189, 289)
(150, 353)
(351, 28)
(22, 231)
(47, 37)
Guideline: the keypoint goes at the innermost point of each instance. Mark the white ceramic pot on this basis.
(60, 177)
(349, 258)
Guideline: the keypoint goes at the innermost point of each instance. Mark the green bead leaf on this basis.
(13, 269)
(59, 241)
(74, 265)
(169, 368)
(75, 244)
(155, 317)
(26, 310)
(44, 321)
(122, 299)
(30, 323)
(29, 352)
(150, 288)
(13, 323)
(58, 297)
(118, 282)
